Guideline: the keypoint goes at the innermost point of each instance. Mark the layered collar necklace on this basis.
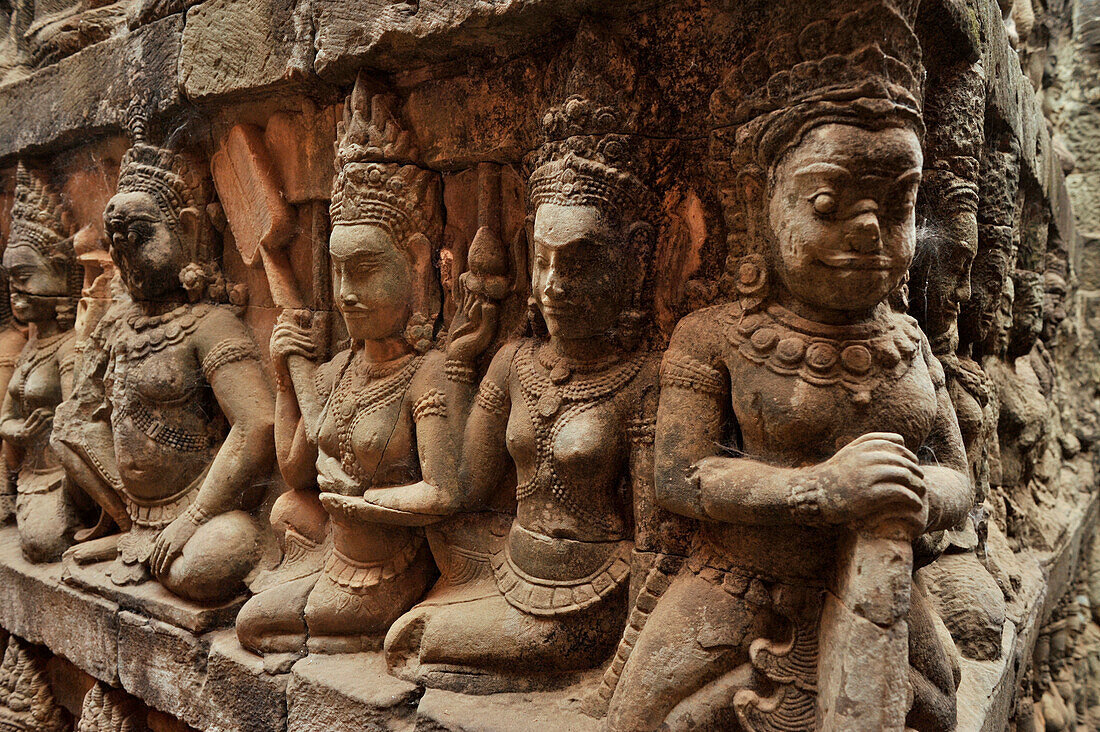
(859, 357)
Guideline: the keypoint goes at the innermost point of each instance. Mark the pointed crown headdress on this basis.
(38, 216)
(167, 176)
(592, 154)
(378, 180)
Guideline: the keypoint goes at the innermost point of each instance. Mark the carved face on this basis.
(148, 252)
(1002, 320)
(946, 272)
(372, 281)
(32, 277)
(1054, 304)
(578, 277)
(842, 214)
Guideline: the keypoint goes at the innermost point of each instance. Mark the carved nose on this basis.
(865, 236)
(553, 287)
(962, 292)
(349, 299)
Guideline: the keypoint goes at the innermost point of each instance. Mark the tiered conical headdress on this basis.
(38, 217)
(169, 177)
(26, 702)
(592, 154)
(378, 180)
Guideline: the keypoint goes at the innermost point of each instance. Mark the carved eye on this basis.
(824, 203)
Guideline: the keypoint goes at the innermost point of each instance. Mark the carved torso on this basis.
(36, 383)
(571, 446)
(167, 425)
(369, 426)
(800, 391)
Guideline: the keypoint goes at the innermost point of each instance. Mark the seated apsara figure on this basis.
(170, 425)
(383, 418)
(565, 416)
(44, 279)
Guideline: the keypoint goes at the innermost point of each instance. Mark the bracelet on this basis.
(196, 515)
(460, 372)
(805, 500)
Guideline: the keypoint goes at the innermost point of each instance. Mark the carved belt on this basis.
(159, 431)
(160, 514)
(356, 576)
(156, 513)
(588, 571)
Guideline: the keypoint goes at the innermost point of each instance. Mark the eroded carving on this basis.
(44, 280)
(170, 425)
(831, 401)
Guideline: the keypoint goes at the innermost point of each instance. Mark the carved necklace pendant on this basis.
(549, 402)
(561, 372)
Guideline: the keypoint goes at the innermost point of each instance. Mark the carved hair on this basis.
(379, 183)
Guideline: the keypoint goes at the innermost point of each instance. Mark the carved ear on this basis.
(426, 286)
(189, 219)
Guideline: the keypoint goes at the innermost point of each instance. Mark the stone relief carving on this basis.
(169, 427)
(838, 482)
(382, 420)
(44, 280)
(26, 701)
(823, 171)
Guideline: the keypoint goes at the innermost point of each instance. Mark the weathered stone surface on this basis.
(242, 45)
(693, 364)
(34, 600)
(389, 35)
(89, 92)
(349, 692)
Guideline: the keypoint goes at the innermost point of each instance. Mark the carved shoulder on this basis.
(500, 370)
(328, 373)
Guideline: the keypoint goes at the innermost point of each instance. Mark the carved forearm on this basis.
(742, 491)
(243, 458)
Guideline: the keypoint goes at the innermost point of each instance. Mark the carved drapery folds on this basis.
(698, 367)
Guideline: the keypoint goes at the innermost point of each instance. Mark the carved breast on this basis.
(572, 488)
(167, 424)
(788, 421)
(369, 428)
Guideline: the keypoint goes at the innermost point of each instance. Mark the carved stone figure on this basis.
(110, 710)
(371, 418)
(12, 339)
(564, 415)
(799, 423)
(44, 281)
(962, 591)
(170, 426)
(27, 703)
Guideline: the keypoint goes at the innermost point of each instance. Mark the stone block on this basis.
(393, 35)
(230, 46)
(36, 606)
(163, 666)
(90, 91)
(551, 711)
(238, 695)
(349, 693)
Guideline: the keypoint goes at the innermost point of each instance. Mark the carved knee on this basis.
(216, 560)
